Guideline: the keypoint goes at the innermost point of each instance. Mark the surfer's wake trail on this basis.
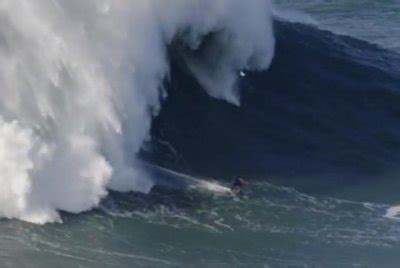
(81, 80)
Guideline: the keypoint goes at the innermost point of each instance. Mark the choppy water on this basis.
(317, 136)
(269, 226)
(374, 21)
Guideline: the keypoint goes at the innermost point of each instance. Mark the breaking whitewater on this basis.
(123, 123)
(81, 81)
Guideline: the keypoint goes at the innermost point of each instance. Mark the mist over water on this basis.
(81, 80)
(141, 112)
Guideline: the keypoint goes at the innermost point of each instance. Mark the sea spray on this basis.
(81, 80)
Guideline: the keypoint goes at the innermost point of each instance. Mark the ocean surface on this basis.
(316, 134)
(372, 21)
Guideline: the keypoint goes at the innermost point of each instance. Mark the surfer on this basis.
(238, 184)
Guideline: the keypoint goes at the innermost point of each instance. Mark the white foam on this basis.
(81, 80)
(393, 213)
(213, 187)
(174, 179)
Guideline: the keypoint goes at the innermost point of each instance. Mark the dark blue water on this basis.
(318, 138)
(324, 116)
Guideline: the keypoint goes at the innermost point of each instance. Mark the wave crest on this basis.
(80, 82)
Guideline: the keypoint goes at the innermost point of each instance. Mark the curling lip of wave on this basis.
(81, 80)
(326, 122)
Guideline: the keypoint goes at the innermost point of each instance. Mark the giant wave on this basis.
(90, 88)
(324, 118)
(81, 80)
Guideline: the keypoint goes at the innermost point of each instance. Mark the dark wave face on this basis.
(324, 117)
